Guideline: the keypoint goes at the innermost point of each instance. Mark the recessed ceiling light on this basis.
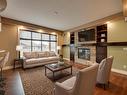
(107, 22)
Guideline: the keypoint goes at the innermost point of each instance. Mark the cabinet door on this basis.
(101, 53)
(72, 52)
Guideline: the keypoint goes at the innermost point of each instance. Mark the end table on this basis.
(18, 61)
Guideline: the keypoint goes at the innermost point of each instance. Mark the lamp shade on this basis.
(3, 4)
(18, 47)
(58, 47)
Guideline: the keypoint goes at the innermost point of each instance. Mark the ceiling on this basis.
(61, 14)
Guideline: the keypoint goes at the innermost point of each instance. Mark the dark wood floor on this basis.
(13, 83)
(118, 84)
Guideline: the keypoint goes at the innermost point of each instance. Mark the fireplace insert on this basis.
(84, 53)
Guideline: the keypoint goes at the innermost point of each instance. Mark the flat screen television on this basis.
(86, 35)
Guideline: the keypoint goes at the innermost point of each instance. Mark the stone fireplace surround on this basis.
(92, 55)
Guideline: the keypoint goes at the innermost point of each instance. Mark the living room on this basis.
(47, 46)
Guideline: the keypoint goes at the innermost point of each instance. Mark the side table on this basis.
(18, 61)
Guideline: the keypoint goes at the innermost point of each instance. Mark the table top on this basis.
(58, 67)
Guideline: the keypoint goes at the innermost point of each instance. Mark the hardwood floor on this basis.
(118, 84)
(13, 83)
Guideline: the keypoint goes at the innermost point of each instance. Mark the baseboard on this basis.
(10, 67)
(119, 71)
(66, 59)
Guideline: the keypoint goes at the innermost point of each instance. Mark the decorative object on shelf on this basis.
(19, 48)
(102, 40)
(102, 35)
(125, 9)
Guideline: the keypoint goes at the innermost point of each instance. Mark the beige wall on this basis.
(8, 41)
(117, 32)
(120, 57)
(9, 36)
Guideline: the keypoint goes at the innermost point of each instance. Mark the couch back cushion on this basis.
(42, 54)
(52, 53)
(29, 55)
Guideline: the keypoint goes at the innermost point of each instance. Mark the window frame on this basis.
(31, 39)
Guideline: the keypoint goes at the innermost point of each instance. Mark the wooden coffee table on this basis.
(55, 67)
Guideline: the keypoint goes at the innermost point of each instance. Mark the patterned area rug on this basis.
(36, 83)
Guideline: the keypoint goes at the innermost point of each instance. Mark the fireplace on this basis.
(84, 53)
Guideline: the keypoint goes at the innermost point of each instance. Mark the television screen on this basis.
(86, 35)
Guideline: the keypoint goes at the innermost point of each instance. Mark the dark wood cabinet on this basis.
(101, 48)
(72, 46)
(101, 53)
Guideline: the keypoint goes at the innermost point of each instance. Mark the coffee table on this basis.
(55, 67)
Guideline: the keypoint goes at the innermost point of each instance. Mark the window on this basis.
(36, 45)
(45, 46)
(34, 41)
(26, 44)
(53, 46)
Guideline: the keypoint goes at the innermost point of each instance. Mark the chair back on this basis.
(108, 67)
(104, 70)
(85, 81)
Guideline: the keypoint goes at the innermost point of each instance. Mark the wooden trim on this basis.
(87, 44)
(105, 44)
(117, 44)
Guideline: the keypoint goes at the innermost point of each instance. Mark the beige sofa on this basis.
(32, 59)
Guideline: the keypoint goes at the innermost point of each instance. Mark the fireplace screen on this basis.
(84, 53)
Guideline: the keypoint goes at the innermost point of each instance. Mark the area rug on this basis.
(36, 83)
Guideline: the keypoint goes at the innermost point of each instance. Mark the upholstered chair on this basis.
(3, 62)
(81, 84)
(104, 71)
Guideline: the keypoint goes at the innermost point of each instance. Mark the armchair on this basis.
(81, 84)
(104, 71)
(3, 62)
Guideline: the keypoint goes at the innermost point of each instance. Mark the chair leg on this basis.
(2, 79)
(104, 86)
(1, 74)
(108, 83)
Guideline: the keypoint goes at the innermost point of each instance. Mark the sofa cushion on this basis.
(47, 53)
(32, 61)
(41, 60)
(42, 54)
(29, 55)
(46, 59)
(53, 58)
(52, 53)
